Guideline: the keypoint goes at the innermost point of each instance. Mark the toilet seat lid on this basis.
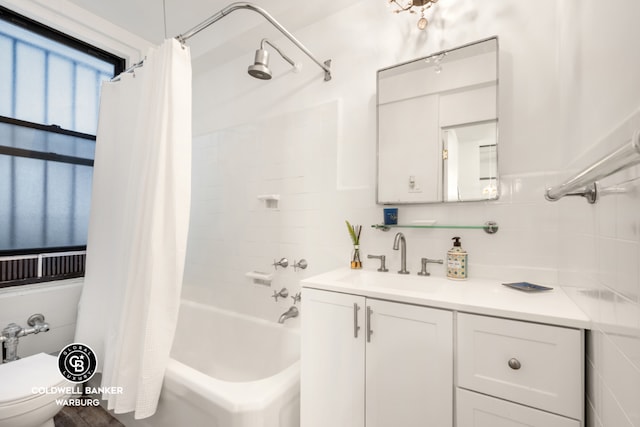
(22, 378)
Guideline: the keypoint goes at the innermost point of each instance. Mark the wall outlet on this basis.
(414, 187)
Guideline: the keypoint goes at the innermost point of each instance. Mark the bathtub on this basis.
(228, 370)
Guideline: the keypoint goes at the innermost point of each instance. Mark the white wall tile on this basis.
(623, 379)
(611, 413)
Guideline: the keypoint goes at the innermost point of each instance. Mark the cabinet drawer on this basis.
(478, 410)
(537, 365)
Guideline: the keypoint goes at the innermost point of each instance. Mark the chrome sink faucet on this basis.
(399, 242)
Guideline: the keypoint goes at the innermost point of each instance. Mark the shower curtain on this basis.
(138, 227)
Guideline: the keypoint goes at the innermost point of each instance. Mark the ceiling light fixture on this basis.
(422, 4)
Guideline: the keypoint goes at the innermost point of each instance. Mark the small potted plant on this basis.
(354, 233)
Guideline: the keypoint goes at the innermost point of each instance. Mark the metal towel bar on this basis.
(585, 183)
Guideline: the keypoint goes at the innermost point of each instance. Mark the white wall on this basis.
(563, 85)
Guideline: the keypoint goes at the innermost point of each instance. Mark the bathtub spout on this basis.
(292, 312)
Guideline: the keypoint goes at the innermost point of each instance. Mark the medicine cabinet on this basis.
(437, 122)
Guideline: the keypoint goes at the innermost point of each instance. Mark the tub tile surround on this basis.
(243, 232)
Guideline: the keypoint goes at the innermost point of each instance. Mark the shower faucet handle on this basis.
(296, 298)
(300, 264)
(284, 263)
(283, 293)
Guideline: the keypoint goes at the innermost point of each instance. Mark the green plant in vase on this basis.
(354, 233)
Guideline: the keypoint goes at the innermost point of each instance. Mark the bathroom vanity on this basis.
(380, 349)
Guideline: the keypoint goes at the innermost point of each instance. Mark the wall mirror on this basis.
(438, 127)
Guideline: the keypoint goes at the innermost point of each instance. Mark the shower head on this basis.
(260, 68)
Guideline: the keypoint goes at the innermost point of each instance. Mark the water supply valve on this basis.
(37, 323)
(283, 293)
(296, 298)
(284, 263)
(302, 264)
(12, 332)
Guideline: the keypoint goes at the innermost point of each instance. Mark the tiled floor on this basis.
(85, 416)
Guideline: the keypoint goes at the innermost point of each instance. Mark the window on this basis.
(49, 98)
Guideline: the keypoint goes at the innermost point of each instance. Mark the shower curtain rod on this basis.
(128, 70)
(182, 38)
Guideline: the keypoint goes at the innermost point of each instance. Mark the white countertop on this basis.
(479, 296)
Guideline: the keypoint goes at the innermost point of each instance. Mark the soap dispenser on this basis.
(457, 261)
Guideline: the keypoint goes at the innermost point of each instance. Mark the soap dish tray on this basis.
(527, 287)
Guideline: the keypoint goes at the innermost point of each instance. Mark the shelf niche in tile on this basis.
(270, 200)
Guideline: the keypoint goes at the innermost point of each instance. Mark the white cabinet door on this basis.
(418, 178)
(479, 410)
(409, 365)
(332, 359)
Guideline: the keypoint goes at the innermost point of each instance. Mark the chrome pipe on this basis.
(182, 38)
(285, 57)
(585, 183)
(11, 335)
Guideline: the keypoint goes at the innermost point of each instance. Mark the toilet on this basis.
(29, 388)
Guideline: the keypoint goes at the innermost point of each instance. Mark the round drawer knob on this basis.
(514, 364)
